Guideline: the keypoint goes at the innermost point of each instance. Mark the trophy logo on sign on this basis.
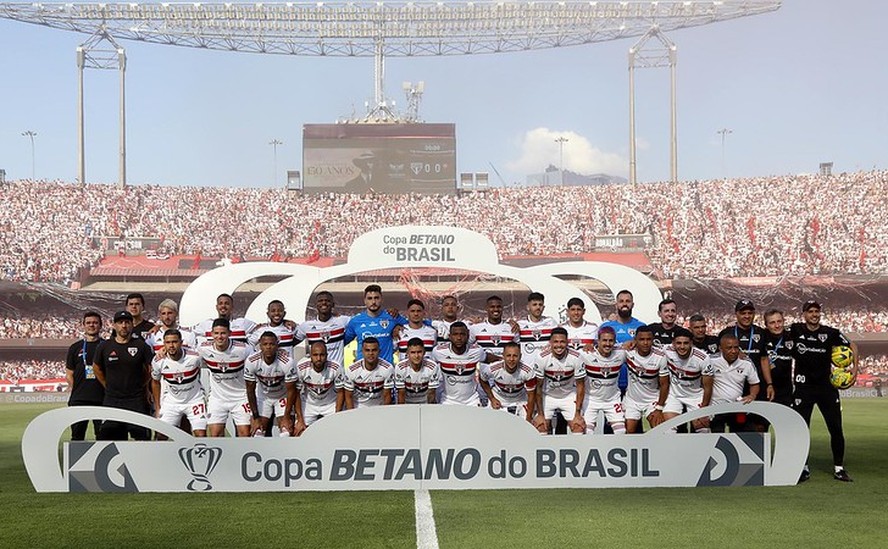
(200, 460)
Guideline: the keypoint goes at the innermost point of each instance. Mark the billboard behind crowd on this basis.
(382, 158)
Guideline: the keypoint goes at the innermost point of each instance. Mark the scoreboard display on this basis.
(381, 158)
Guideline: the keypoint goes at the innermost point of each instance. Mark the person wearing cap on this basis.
(122, 364)
(811, 344)
(751, 338)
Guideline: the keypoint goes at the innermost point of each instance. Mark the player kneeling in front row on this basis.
(510, 383)
(269, 370)
(178, 370)
(730, 374)
(602, 391)
(321, 382)
(369, 381)
(561, 376)
(690, 383)
(416, 377)
(648, 381)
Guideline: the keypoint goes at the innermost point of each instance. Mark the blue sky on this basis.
(798, 86)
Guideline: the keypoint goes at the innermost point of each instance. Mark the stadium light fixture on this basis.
(30, 134)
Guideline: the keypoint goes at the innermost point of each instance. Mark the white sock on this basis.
(839, 468)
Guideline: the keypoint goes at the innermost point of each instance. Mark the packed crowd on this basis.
(40, 327)
(769, 226)
(16, 370)
(876, 365)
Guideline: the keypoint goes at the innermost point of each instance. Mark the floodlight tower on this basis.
(101, 51)
(646, 54)
(414, 99)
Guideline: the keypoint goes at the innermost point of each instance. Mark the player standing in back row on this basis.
(812, 345)
(535, 330)
(327, 328)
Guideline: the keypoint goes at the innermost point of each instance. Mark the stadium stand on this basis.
(815, 225)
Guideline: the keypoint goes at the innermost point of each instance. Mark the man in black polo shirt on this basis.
(812, 345)
(776, 360)
(751, 338)
(701, 340)
(82, 383)
(135, 305)
(664, 331)
(123, 365)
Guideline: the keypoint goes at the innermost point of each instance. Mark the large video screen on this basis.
(381, 158)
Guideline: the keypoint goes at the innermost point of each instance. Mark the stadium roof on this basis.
(381, 28)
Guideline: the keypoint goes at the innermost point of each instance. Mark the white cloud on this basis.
(539, 149)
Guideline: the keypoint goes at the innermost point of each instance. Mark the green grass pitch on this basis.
(819, 513)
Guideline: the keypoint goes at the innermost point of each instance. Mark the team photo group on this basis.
(562, 377)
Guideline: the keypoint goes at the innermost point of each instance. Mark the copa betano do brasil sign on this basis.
(413, 447)
(412, 247)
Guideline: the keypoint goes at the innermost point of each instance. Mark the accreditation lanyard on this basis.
(751, 331)
(772, 354)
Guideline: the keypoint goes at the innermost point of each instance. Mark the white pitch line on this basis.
(426, 534)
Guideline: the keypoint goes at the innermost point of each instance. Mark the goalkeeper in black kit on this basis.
(811, 344)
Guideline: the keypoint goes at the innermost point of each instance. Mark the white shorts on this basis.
(516, 408)
(567, 406)
(638, 410)
(220, 410)
(313, 412)
(675, 405)
(613, 412)
(275, 405)
(195, 410)
(473, 400)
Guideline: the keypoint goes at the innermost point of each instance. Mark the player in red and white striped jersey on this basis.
(168, 316)
(370, 380)
(416, 378)
(328, 328)
(317, 387)
(266, 372)
(580, 333)
(176, 374)
(240, 327)
(493, 334)
(277, 325)
(536, 329)
(602, 392)
(561, 384)
(459, 364)
(416, 328)
(510, 383)
(450, 310)
(225, 359)
(690, 381)
(648, 381)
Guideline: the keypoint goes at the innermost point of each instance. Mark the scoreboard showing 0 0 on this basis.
(419, 167)
(382, 158)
